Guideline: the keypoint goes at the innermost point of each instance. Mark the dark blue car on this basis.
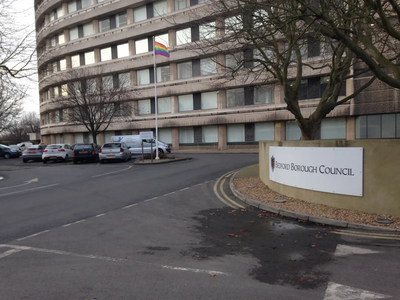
(7, 152)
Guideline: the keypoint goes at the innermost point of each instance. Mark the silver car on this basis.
(114, 151)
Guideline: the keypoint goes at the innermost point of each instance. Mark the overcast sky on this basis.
(24, 13)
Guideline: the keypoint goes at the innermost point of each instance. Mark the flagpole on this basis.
(155, 95)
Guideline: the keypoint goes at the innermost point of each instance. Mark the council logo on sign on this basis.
(272, 163)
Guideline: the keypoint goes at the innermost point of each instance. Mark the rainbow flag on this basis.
(160, 49)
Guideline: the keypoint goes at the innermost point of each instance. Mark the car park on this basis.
(33, 152)
(7, 152)
(16, 147)
(57, 152)
(114, 151)
(85, 152)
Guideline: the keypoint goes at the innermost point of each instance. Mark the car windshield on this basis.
(83, 147)
(112, 145)
(34, 148)
(54, 146)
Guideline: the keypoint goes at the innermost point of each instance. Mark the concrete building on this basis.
(195, 109)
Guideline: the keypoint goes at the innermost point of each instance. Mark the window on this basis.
(105, 54)
(144, 107)
(264, 131)
(163, 73)
(209, 100)
(104, 25)
(123, 50)
(333, 129)
(233, 61)
(262, 55)
(60, 12)
(89, 58)
(185, 102)
(233, 25)
(264, 94)
(57, 116)
(186, 135)
(75, 61)
(184, 70)
(207, 31)
(64, 90)
(235, 133)
(86, 3)
(181, 4)
(55, 67)
(208, 66)
(91, 85)
(142, 46)
(140, 14)
(164, 105)
(73, 33)
(293, 132)
(209, 134)
(143, 77)
(235, 97)
(53, 15)
(312, 88)
(72, 6)
(56, 91)
(124, 80)
(87, 29)
(183, 36)
(160, 8)
(108, 82)
(165, 135)
(53, 42)
(61, 39)
(121, 20)
(63, 64)
(383, 126)
(163, 39)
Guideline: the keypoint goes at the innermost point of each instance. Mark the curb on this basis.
(301, 216)
(160, 161)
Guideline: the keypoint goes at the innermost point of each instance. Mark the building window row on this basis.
(382, 126)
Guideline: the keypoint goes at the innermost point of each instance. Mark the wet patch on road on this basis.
(289, 252)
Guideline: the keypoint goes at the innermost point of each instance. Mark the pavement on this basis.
(253, 171)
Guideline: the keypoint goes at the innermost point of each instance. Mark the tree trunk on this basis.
(309, 128)
(94, 136)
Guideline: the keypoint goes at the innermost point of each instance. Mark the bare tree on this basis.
(11, 97)
(369, 28)
(95, 100)
(269, 43)
(19, 129)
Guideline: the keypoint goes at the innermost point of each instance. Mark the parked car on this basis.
(114, 151)
(7, 152)
(24, 145)
(85, 152)
(16, 147)
(134, 143)
(33, 152)
(57, 152)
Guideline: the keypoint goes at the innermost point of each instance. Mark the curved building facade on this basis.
(195, 108)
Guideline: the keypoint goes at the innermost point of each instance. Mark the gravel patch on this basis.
(254, 188)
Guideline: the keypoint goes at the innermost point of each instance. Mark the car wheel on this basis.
(7, 155)
(66, 158)
(24, 160)
(45, 161)
(101, 161)
(160, 151)
(75, 162)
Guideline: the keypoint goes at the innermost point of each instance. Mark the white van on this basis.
(24, 145)
(134, 143)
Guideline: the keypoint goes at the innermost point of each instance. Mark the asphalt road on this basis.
(124, 231)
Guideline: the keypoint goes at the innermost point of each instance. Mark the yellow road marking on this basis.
(367, 236)
(379, 234)
(226, 196)
(233, 204)
(219, 197)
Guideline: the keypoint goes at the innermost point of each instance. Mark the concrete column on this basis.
(135, 131)
(46, 19)
(174, 104)
(95, 24)
(65, 8)
(173, 71)
(52, 138)
(68, 62)
(221, 63)
(278, 94)
(172, 38)
(97, 57)
(101, 138)
(46, 139)
(133, 74)
(280, 131)
(221, 99)
(132, 50)
(220, 27)
(351, 128)
(129, 16)
(66, 35)
(69, 138)
(135, 109)
(175, 138)
(222, 137)
(170, 6)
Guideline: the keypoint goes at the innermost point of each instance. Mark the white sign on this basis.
(145, 135)
(331, 170)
